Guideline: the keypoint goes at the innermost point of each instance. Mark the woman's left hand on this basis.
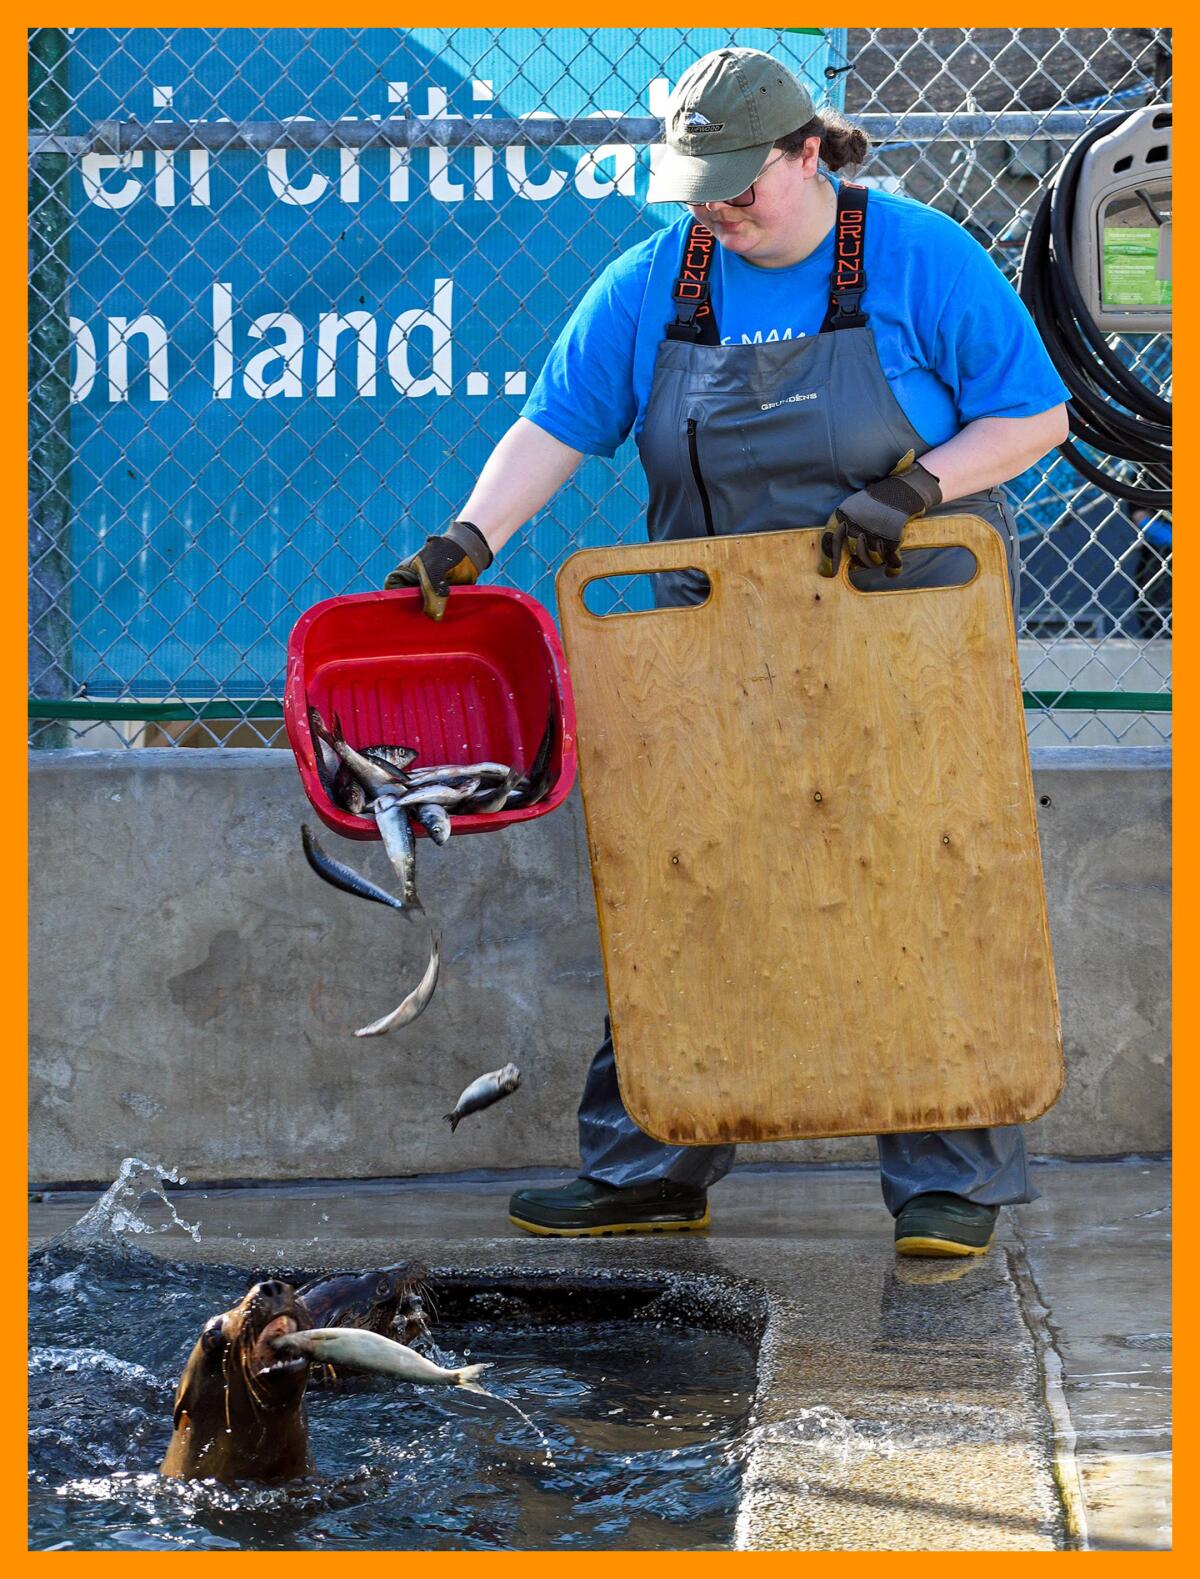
(871, 522)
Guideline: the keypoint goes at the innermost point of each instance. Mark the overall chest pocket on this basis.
(757, 462)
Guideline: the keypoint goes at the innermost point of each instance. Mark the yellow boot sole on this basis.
(613, 1228)
(919, 1245)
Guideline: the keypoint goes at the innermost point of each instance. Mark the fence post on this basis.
(49, 389)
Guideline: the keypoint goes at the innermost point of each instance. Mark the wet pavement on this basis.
(1018, 1402)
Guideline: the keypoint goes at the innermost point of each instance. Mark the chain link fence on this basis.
(289, 287)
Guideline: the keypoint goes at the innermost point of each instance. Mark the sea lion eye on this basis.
(213, 1336)
(383, 1288)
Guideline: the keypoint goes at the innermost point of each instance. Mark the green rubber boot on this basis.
(939, 1224)
(588, 1207)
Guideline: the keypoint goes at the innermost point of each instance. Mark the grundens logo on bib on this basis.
(788, 400)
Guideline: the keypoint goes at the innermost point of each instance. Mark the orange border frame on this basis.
(652, 1565)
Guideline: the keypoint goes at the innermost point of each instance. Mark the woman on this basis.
(788, 373)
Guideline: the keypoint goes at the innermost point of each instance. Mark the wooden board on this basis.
(814, 845)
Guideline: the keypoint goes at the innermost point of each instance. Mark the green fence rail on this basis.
(177, 712)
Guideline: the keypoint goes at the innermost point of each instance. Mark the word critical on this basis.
(349, 175)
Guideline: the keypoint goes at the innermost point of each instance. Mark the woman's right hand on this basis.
(456, 559)
(522, 474)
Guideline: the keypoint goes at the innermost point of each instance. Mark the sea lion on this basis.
(382, 1300)
(239, 1406)
(387, 1301)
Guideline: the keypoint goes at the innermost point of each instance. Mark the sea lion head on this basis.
(239, 1404)
(377, 1299)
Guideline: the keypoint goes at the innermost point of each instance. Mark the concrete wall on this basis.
(194, 986)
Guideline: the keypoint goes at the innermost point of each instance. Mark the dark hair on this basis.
(841, 142)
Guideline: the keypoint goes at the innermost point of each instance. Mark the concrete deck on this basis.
(1021, 1402)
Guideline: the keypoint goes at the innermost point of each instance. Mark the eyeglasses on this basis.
(746, 198)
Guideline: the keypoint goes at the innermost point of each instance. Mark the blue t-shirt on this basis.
(954, 339)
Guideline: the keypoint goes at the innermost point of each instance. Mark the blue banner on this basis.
(289, 367)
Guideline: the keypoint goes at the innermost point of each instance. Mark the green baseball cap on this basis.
(723, 119)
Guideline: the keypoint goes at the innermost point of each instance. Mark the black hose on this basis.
(1110, 410)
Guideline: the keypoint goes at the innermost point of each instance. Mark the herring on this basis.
(348, 793)
(330, 760)
(357, 777)
(439, 794)
(482, 1093)
(370, 1351)
(535, 785)
(396, 832)
(342, 788)
(451, 773)
(373, 773)
(435, 820)
(417, 1000)
(495, 796)
(398, 757)
(343, 877)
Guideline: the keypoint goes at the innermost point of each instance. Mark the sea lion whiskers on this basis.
(427, 1297)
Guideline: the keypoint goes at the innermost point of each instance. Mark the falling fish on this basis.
(343, 877)
(481, 1093)
(370, 1351)
(417, 999)
(376, 781)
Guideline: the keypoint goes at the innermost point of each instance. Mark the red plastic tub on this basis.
(472, 687)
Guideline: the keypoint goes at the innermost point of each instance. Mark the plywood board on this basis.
(814, 845)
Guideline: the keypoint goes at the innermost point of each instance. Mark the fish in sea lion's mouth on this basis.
(263, 1357)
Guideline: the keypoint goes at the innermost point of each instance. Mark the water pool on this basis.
(632, 1439)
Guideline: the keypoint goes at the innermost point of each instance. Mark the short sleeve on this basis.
(987, 349)
(585, 394)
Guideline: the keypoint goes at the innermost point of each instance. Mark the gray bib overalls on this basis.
(758, 438)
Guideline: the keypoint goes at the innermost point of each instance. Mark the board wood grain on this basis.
(814, 845)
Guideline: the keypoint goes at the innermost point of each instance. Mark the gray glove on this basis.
(871, 522)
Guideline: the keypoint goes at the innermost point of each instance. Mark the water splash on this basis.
(448, 1361)
(816, 1432)
(532, 1424)
(151, 1493)
(51, 1358)
(432, 1351)
(915, 1424)
(116, 1212)
(820, 1428)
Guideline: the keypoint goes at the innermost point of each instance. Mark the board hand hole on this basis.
(634, 593)
(920, 569)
